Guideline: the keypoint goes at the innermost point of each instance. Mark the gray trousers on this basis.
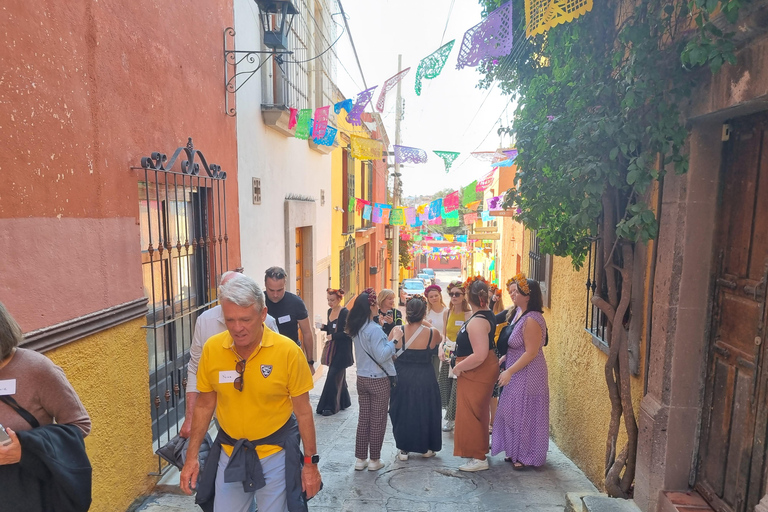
(230, 497)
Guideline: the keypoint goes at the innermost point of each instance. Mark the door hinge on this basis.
(726, 136)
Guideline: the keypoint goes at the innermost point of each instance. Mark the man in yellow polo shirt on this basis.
(258, 381)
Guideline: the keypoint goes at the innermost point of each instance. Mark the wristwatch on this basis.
(311, 459)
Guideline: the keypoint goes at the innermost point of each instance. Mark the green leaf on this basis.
(614, 153)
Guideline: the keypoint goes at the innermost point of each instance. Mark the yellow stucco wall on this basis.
(337, 198)
(579, 405)
(109, 370)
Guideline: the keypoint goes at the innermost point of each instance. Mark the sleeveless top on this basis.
(452, 328)
(463, 345)
(436, 319)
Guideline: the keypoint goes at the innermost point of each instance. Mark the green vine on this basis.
(599, 119)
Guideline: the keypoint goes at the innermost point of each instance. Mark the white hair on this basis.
(243, 291)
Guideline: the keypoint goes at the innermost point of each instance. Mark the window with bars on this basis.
(595, 321)
(540, 268)
(305, 79)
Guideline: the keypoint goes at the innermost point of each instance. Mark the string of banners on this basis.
(443, 210)
(487, 41)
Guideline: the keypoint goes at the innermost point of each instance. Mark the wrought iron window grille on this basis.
(184, 249)
(595, 321)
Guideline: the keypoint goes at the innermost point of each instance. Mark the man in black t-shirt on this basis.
(289, 311)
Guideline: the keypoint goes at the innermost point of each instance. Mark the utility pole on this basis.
(396, 189)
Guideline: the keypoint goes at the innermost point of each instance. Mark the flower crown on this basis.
(338, 291)
(494, 290)
(521, 282)
(372, 301)
(472, 280)
(420, 297)
(432, 288)
(456, 283)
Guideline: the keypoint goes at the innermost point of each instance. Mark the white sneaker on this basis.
(375, 465)
(448, 426)
(429, 453)
(401, 455)
(475, 465)
(361, 464)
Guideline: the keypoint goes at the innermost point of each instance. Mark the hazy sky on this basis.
(448, 115)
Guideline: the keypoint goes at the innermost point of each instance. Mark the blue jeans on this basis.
(230, 497)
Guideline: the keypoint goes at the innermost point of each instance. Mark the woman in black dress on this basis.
(414, 404)
(338, 356)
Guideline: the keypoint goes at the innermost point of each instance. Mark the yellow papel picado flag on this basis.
(542, 15)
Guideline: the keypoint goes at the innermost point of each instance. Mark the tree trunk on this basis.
(619, 466)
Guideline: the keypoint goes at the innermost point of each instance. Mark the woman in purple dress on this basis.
(521, 426)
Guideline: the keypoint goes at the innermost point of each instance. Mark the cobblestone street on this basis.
(423, 485)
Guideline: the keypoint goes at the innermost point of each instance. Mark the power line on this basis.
(450, 10)
(352, 42)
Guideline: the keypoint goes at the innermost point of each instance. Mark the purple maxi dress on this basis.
(521, 426)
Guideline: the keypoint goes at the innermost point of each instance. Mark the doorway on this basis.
(731, 469)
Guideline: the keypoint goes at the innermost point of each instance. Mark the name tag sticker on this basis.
(283, 319)
(228, 376)
(334, 325)
(7, 387)
(459, 322)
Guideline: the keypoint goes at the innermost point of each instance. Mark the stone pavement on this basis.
(428, 485)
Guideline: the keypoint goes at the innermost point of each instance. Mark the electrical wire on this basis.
(324, 51)
(450, 10)
(352, 42)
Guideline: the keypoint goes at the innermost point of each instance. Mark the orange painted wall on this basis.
(87, 88)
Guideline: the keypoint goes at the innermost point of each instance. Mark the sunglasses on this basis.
(275, 274)
(240, 369)
(456, 294)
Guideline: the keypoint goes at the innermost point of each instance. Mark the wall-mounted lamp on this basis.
(276, 18)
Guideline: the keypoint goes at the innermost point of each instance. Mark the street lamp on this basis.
(276, 17)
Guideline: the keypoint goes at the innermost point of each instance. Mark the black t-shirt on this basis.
(397, 317)
(463, 346)
(287, 314)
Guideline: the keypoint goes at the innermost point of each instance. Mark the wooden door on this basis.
(731, 466)
(299, 263)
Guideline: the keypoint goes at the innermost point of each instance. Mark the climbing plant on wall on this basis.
(600, 118)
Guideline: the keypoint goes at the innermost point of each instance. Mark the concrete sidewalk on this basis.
(418, 484)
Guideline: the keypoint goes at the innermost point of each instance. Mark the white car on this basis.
(411, 287)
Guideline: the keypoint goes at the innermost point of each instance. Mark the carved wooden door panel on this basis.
(731, 469)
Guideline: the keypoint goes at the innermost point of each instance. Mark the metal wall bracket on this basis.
(253, 60)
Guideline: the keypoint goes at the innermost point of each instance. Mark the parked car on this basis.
(426, 278)
(410, 288)
(430, 273)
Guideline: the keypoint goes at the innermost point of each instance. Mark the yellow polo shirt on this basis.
(275, 372)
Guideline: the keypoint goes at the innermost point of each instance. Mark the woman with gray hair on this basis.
(35, 394)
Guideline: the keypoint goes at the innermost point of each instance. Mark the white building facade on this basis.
(285, 182)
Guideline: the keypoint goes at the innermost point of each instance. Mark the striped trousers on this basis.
(373, 397)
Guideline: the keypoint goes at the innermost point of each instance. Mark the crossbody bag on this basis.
(13, 404)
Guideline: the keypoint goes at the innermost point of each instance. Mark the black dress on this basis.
(414, 404)
(335, 396)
